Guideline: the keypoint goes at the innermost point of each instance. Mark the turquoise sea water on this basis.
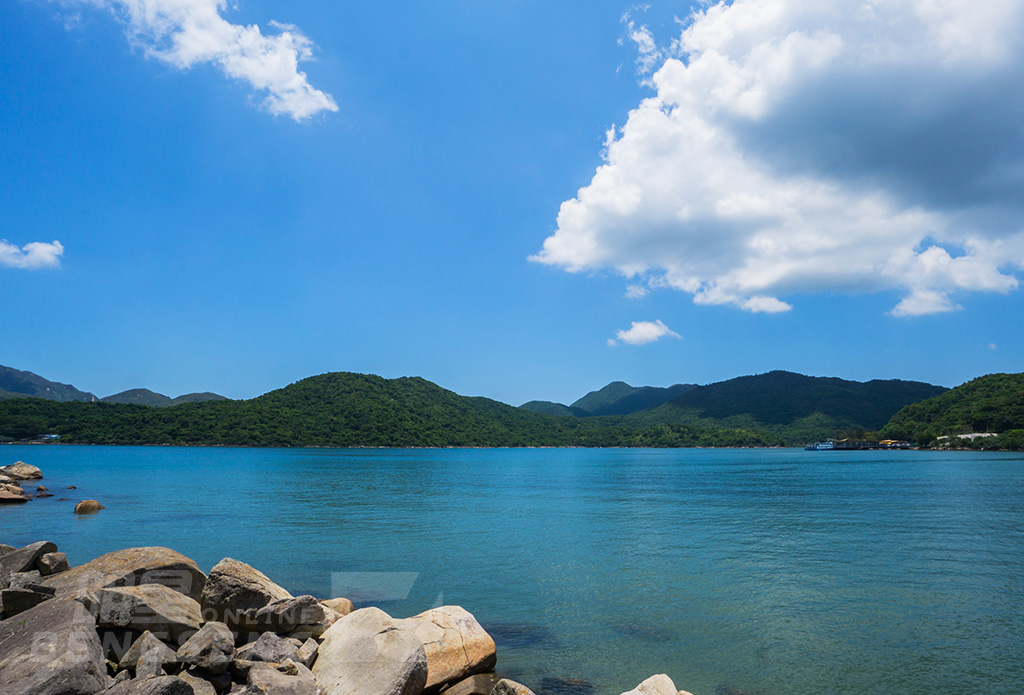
(768, 572)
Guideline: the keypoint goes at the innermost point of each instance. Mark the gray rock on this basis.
(52, 563)
(660, 684)
(52, 649)
(161, 685)
(19, 470)
(369, 653)
(154, 607)
(22, 560)
(26, 580)
(235, 591)
(15, 601)
(454, 642)
(200, 686)
(302, 614)
(510, 687)
(131, 567)
(308, 652)
(341, 606)
(479, 684)
(4, 548)
(210, 649)
(264, 679)
(147, 646)
(269, 648)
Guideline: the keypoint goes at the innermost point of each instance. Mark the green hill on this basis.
(158, 400)
(795, 407)
(619, 398)
(344, 409)
(551, 408)
(993, 403)
(15, 383)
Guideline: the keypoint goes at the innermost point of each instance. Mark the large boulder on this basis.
(454, 642)
(21, 471)
(369, 653)
(15, 601)
(52, 649)
(52, 563)
(660, 684)
(154, 607)
(235, 591)
(341, 606)
(147, 648)
(269, 648)
(161, 685)
(264, 679)
(132, 567)
(210, 649)
(8, 497)
(302, 614)
(22, 560)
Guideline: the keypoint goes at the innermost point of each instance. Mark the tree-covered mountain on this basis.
(992, 403)
(344, 409)
(158, 400)
(617, 398)
(15, 383)
(795, 407)
(550, 408)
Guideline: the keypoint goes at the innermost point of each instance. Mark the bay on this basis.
(734, 571)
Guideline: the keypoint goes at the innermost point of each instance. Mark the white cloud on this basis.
(31, 256)
(185, 33)
(636, 291)
(795, 146)
(643, 332)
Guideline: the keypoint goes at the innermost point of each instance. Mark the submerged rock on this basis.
(369, 653)
(52, 649)
(88, 507)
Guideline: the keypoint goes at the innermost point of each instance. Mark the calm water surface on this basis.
(767, 572)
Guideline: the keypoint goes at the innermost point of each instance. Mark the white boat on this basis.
(820, 446)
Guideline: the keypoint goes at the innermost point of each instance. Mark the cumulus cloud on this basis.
(185, 33)
(36, 254)
(795, 146)
(643, 332)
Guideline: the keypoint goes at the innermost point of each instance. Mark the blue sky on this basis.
(432, 190)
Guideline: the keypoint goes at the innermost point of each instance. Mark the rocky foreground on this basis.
(148, 621)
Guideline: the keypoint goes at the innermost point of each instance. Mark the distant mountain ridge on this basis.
(617, 398)
(345, 410)
(159, 400)
(15, 383)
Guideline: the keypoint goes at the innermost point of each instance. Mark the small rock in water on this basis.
(88, 507)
